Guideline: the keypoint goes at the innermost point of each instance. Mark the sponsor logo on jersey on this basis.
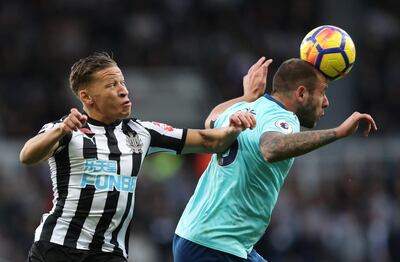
(103, 175)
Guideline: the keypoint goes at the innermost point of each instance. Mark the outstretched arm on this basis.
(42, 146)
(276, 146)
(217, 140)
(254, 84)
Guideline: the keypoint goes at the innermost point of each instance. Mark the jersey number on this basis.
(227, 158)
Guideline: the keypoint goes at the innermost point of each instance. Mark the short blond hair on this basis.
(83, 70)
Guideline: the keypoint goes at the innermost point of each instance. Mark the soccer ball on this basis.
(330, 49)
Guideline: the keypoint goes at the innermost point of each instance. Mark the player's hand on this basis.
(73, 121)
(239, 121)
(350, 125)
(254, 83)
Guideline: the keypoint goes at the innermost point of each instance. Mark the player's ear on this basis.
(85, 97)
(301, 93)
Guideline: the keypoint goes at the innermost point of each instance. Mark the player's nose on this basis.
(123, 91)
(325, 103)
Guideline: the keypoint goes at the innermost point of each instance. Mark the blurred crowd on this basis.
(221, 38)
(339, 221)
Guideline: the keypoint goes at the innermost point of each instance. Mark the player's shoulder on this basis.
(152, 125)
(140, 122)
(276, 116)
(50, 125)
(131, 120)
(272, 107)
(224, 116)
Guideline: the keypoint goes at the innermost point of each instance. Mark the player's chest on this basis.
(102, 143)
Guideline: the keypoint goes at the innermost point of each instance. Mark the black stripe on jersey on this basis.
(112, 196)
(85, 197)
(136, 162)
(115, 233)
(159, 140)
(183, 142)
(63, 170)
(127, 237)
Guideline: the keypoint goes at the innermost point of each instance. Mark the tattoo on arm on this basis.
(276, 146)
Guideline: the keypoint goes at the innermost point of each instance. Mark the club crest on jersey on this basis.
(134, 143)
(284, 125)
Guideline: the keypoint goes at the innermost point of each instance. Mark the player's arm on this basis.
(276, 146)
(217, 140)
(254, 84)
(43, 145)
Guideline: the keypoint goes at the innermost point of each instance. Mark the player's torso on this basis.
(233, 202)
(107, 158)
(94, 173)
(94, 177)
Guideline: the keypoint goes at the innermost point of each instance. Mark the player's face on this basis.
(314, 108)
(108, 94)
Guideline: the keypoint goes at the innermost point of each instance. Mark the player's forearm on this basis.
(215, 140)
(223, 106)
(218, 140)
(277, 147)
(41, 146)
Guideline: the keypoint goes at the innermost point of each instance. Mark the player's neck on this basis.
(94, 114)
(285, 101)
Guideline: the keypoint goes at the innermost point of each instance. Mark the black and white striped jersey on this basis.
(94, 173)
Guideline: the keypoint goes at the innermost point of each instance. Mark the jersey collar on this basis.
(274, 100)
(98, 123)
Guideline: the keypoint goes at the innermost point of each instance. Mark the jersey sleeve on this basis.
(164, 138)
(222, 119)
(283, 122)
(49, 126)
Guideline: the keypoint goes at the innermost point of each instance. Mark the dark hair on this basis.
(83, 70)
(292, 73)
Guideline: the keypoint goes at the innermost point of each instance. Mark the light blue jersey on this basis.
(233, 201)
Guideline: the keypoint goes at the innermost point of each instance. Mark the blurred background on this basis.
(180, 59)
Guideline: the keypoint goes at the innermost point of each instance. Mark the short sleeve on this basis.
(49, 126)
(284, 122)
(164, 138)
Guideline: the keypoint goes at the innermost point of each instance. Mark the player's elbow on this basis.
(26, 158)
(213, 141)
(270, 156)
(214, 146)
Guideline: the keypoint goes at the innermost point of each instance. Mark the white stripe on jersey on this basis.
(100, 197)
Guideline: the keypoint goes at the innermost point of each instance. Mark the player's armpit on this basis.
(269, 141)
